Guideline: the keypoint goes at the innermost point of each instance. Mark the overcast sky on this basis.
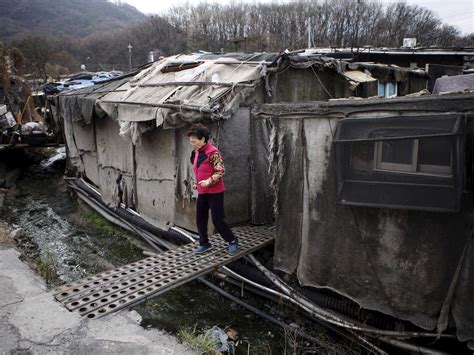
(459, 13)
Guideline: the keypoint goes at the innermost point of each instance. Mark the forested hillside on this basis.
(78, 18)
(59, 36)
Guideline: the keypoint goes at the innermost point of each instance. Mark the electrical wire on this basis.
(322, 85)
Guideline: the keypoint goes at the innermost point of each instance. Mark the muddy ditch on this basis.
(63, 240)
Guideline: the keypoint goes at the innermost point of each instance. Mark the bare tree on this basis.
(37, 51)
(276, 26)
(240, 26)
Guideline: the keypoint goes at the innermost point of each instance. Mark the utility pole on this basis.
(130, 56)
(309, 32)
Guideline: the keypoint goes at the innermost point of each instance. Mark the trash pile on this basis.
(226, 339)
(11, 132)
(7, 125)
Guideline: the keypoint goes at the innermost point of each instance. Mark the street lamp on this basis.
(130, 56)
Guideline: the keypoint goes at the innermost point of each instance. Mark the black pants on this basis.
(215, 202)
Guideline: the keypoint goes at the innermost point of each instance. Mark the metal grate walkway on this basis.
(131, 284)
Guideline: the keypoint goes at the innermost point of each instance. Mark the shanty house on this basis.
(370, 197)
(128, 137)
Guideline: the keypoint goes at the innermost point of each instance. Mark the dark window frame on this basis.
(377, 185)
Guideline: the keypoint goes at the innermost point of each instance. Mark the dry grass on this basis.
(200, 343)
(5, 240)
(47, 268)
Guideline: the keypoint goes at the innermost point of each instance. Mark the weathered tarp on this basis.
(399, 262)
(79, 105)
(172, 97)
(188, 88)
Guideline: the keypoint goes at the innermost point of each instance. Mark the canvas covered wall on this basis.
(155, 176)
(115, 164)
(80, 142)
(234, 143)
(185, 195)
(399, 262)
(84, 137)
(155, 159)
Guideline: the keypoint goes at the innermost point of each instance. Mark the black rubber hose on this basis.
(324, 299)
(320, 297)
(352, 309)
(336, 330)
(170, 236)
(110, 216)
(250, 272)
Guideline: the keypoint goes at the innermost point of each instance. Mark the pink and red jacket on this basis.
(208, 164)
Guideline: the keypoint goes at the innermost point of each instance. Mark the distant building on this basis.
(437, 62)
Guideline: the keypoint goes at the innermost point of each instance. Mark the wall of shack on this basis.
(155, 176)
(398, 262)
(298, 85)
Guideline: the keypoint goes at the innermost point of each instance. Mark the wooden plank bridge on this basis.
(131, 284)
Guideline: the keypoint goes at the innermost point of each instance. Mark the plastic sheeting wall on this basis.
(401, 263)
(262, 197)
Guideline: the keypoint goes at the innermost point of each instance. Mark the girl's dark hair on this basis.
(200, 131)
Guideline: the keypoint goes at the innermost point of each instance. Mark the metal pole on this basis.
(309, 32)
(129, 56)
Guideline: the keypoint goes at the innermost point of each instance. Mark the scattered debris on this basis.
(231, 333)
(223, 341)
